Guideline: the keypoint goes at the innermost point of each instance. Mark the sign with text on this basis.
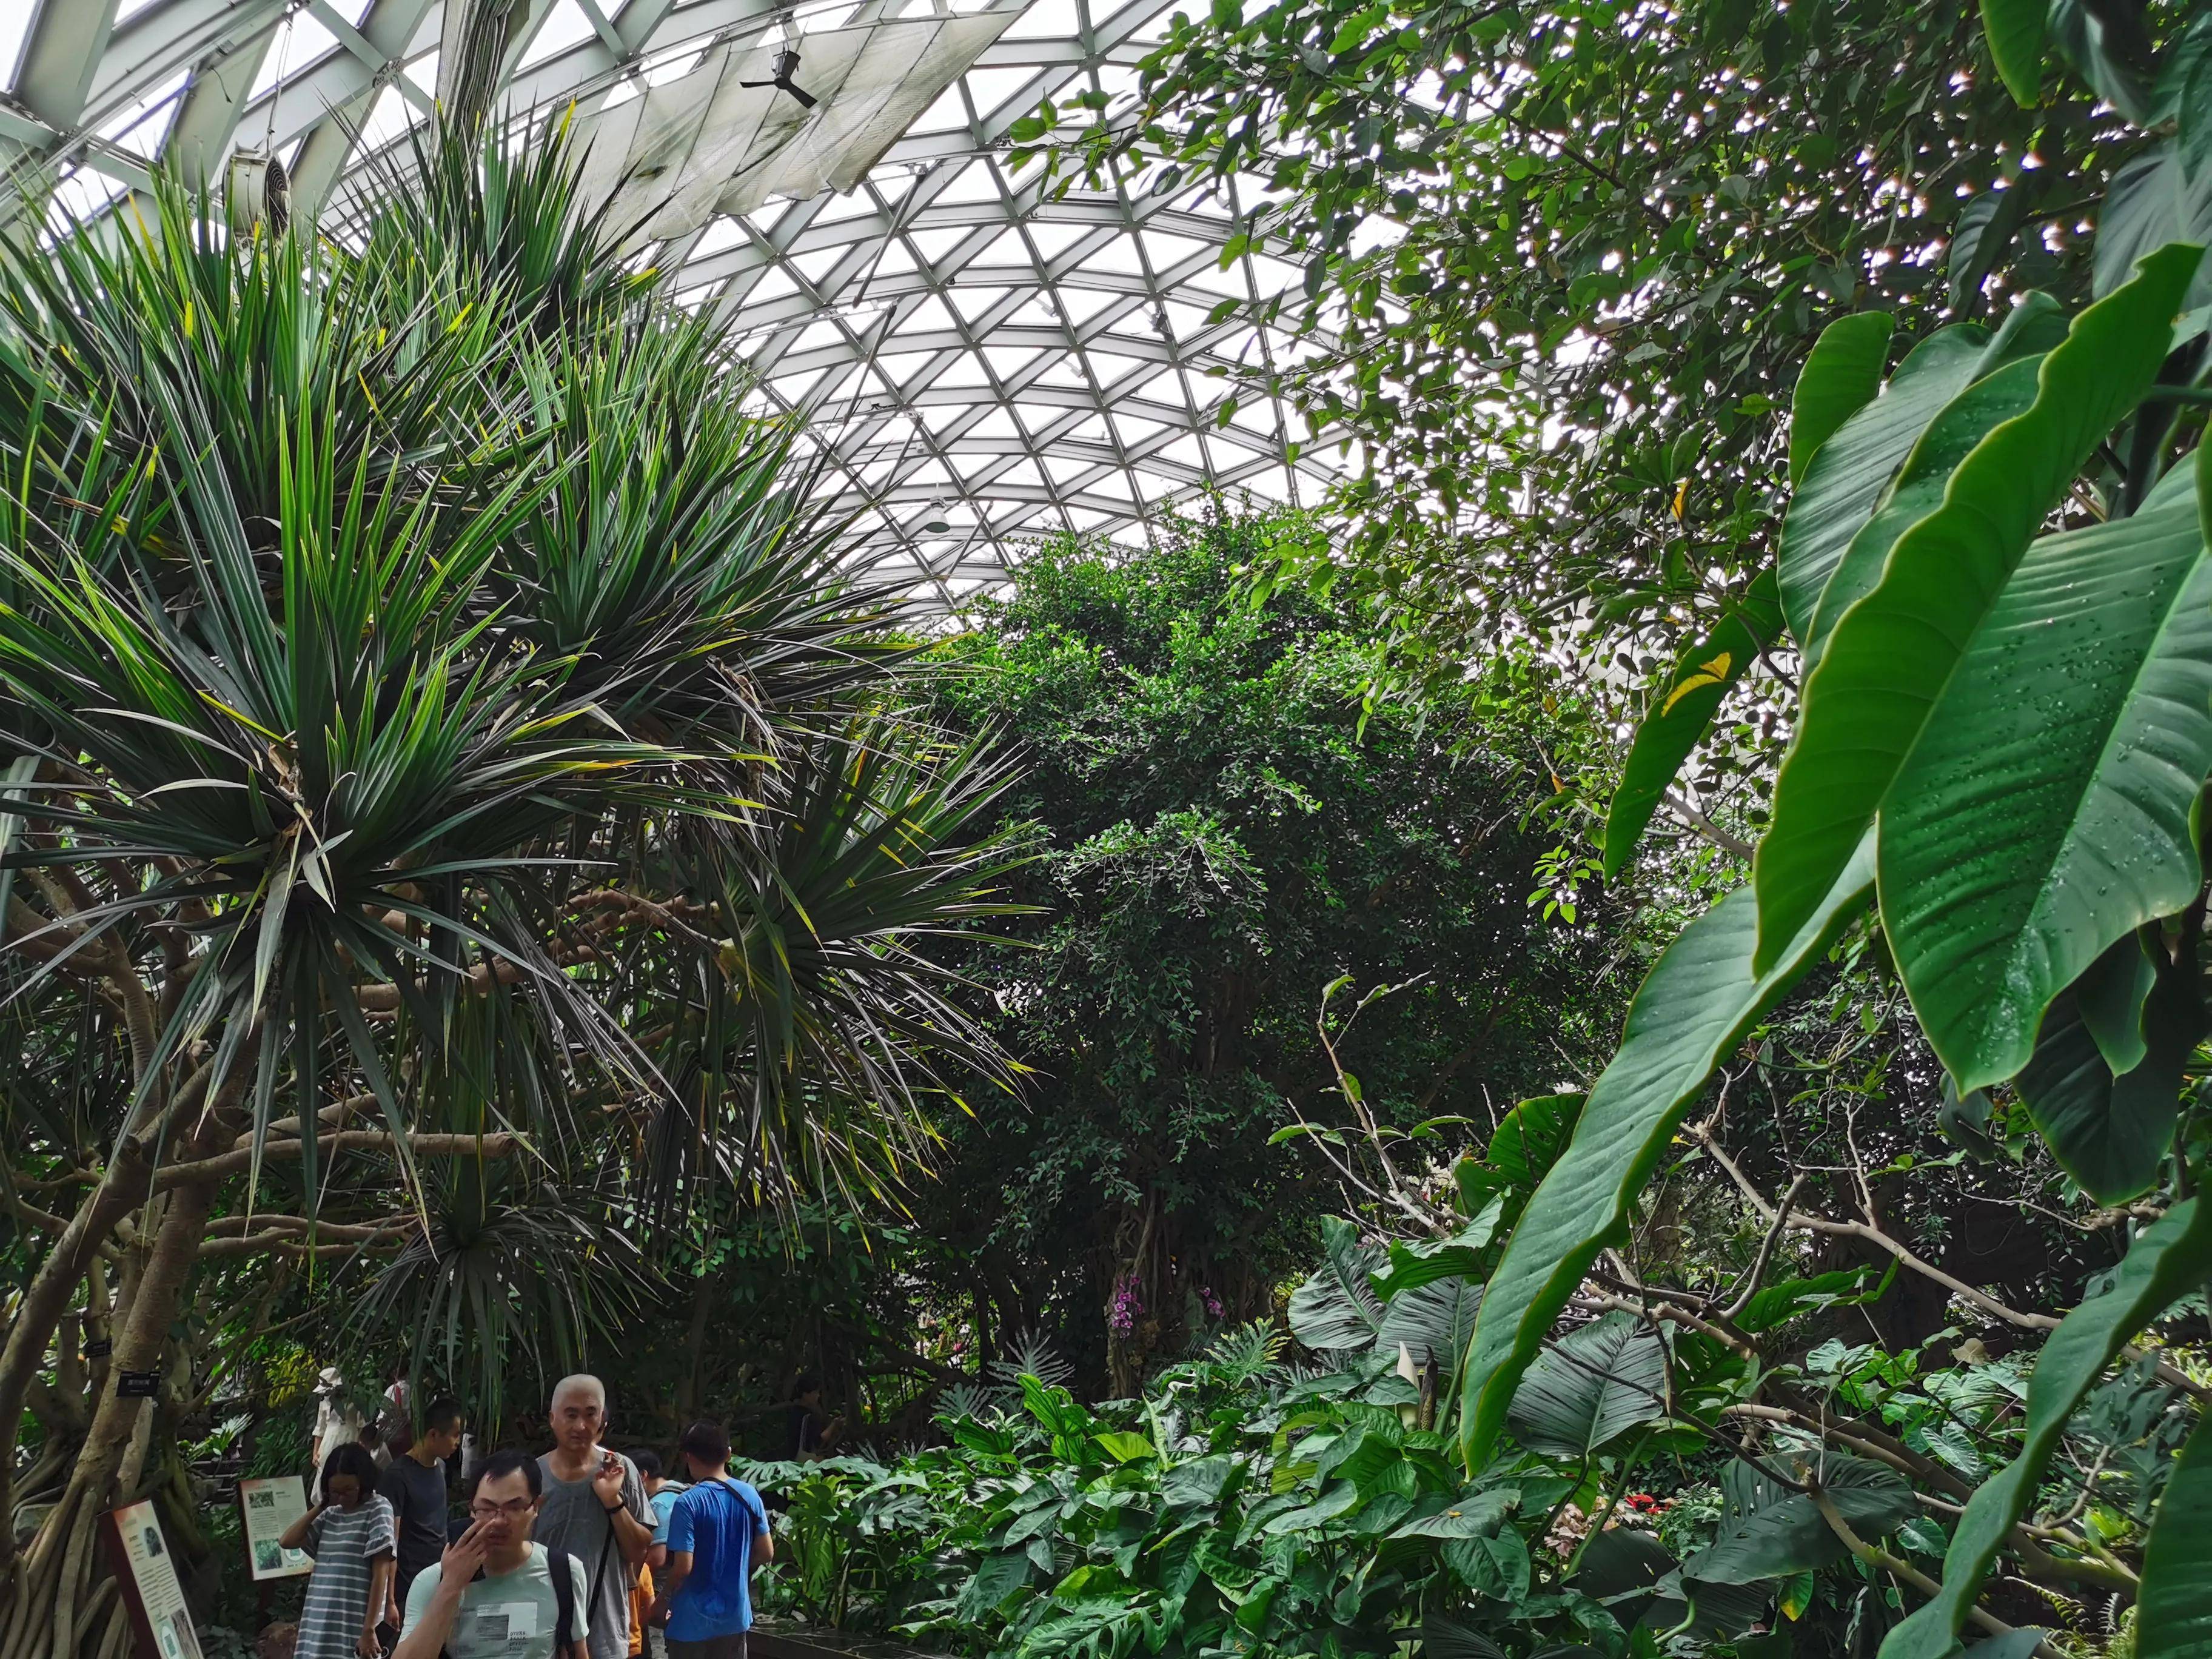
(268, 1507)
(146, 1574)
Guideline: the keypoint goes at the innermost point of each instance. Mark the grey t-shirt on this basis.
(417, 1497)
(573, 1519)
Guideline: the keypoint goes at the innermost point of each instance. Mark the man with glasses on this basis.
(595, 1508)
(495, 1593)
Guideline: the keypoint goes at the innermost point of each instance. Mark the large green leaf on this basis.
(1694, 1007)
(1529, 1138)
(2111, 1133)
(1691, 694)
(1432, 1321)
(1842, 375)
(2015, 31)
(2112, 993)
(2174, 1609)
(2002, 389)
(1845, 477)
(1335, 1308)
(2152, 201)
(1867, 702)
(2171, 1258)
(2049, 807)
(1590, 1387)
(1984, 232)
(1788, 1533)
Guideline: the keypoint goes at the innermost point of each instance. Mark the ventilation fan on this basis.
(787, 65)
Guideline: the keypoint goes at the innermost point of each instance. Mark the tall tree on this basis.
(1228, 833)
(448, 788)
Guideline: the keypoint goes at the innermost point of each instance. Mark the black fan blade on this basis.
(807, 99)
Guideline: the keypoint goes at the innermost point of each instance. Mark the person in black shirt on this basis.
(810, 1435)
(414, 1485)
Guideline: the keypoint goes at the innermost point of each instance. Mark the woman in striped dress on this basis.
(351, 1535)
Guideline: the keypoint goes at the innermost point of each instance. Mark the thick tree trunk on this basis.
(62, 1608)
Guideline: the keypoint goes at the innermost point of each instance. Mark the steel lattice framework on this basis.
(985, 362)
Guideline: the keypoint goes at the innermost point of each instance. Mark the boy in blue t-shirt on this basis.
(716, 1531)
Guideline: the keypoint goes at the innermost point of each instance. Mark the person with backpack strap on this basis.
(497, 1593)
(595, 1508)
(717, 1534)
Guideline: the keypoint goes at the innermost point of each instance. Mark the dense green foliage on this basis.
(1226, 835)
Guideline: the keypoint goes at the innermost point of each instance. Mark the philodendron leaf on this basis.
(2049, 808)
(1590, 1387)
(2111, 994)
(2171, 1258)
(1433, 1320)
(2111, 1133)
(1696, 1006)
(2014, 31)
(1866, 704)
(1530, 1138)
(2174, 1609)
(1789, 1535)
(1335, 1308)
(1677, 721)
(2152, 201)
(1842, 375)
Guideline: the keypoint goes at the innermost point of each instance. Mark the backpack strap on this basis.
(558, 1563)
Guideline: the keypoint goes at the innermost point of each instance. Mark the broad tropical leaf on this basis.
(1787, 1533)
(2112, 1131)
(2173, 1610)
(2015, 31)
(1867, 702)
(1699, 1000)
(2028, 832)
(1590, 1387)
(1335, 1308)
(1842, 375)
(1687, 701)
(1845, 478)
(2168, 1259)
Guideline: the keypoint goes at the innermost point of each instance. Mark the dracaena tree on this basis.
(453, 808)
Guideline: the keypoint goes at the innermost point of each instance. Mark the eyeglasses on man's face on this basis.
(513, 1510)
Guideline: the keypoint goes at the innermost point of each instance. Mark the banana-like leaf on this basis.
(2049, 807)
(2171, 1258)
(1845, 478)
(1985, 227)
(1866, 704)
(1687, 701)
(2174, 1609)
(1998, 394)
(1842, 375)
(1590, 1387)
(1698, 1002)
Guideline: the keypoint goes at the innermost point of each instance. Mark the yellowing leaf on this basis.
(1712, 671)
(1682, 499)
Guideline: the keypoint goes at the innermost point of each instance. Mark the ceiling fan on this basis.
(785, 66)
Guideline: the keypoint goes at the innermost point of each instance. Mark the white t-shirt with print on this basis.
(505, 1615)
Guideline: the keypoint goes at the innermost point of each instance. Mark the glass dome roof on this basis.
(985, 361)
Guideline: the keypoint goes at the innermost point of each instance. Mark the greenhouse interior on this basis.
(1105, 829)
